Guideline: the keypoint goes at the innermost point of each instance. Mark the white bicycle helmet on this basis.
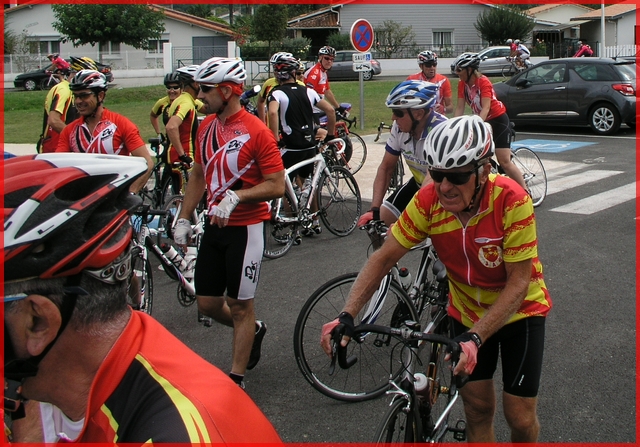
(471, 60)
(517, 42)
(187, 72)
(220, 69)
(427, 56)
(413, 95)
(327, 51)
(460, 141)
(509, 41)
(279, 54)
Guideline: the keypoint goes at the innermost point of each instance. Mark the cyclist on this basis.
(428, 61)
(267, 86)
(103, 373)
(412, 104)
(58, 106)
(476, 90)
(522, 54)
(291, 121)
(59, 64)
(483, 228)
(161, 107)
(99, 130)
(238, 163)
(316, 78)
(584, 50)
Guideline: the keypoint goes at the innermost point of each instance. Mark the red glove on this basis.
(469, 349)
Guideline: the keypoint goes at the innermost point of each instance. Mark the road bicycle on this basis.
(397, 177)
(355, 153)
(49, 82)
(163, 181)
(420, 300)
(513, 67)
(337, 198)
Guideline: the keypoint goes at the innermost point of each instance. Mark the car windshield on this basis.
(627, 71)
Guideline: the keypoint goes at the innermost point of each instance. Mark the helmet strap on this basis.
(476, 190)
(414, 124)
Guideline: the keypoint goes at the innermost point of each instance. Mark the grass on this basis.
(23, 111)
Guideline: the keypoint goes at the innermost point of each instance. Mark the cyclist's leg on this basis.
(393, 205)
(502, 139)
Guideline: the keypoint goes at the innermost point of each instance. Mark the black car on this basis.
(597, 92)
(40, 78)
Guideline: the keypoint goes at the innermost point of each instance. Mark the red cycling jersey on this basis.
(482, 88)
(317, 79)
(444, 87)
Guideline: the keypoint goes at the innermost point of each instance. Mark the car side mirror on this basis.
(523, 83)
(484, 58)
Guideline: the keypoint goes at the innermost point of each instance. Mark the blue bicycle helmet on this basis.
(413, 95)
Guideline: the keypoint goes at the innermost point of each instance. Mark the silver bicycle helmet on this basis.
(470, 60)
(413, 95)
(88, 79)
(509, 41)
(460, 141)
(277, 55)
(427, 56)
(187, 73)
(327, 51)
(220, 69)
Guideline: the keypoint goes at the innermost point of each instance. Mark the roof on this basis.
(542, 8)
(611, 12)
(194, 20)
(561, 26)
(322, 18)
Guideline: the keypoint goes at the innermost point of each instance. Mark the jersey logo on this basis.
(490, 255)
(234, 146)
(251, 272)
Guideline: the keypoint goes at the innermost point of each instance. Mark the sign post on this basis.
(362, 40)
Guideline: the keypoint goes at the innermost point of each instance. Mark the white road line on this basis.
(555, 168)
(572, 181)
(600, 202)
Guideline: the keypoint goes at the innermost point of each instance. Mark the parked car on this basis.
(600, 93)
(342, 69)
(493, 60)
(40, 78)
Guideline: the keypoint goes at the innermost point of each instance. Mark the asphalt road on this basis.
(588, 252)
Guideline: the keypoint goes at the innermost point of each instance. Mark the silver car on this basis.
(492, 60)
(343, 67)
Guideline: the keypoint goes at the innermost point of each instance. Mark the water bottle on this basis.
(420, 385)
(405, 278)
(174, 256)
(306, 190)
(190, 259)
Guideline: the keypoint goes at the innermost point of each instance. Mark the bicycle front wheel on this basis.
(140, 290)
(279, 233)
(369, 376)
(508, 71)
(535, 177)
(358, 153)
(400, 425)
(339, 201)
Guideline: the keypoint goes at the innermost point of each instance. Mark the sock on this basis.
(237, 378)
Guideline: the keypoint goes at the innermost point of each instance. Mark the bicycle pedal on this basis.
(459, 431)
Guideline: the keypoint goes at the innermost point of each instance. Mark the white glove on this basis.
(182, 231)
(223, 210)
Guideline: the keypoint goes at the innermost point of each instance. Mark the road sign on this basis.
(361, 57)
(361, 66)
(361, 35)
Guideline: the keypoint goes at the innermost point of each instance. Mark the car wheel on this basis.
(367, 75)
(604, 119)
(30, 85)
(45, 84)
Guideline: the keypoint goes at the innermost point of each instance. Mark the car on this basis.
(40, 78)
(578, 91)
(492, 60)
(342, 69)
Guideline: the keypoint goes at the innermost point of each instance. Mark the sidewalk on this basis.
(364, 176)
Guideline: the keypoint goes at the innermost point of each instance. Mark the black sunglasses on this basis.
(84, 95)
(430, 64)
(398, 113)
(455, 178)
(173, 87)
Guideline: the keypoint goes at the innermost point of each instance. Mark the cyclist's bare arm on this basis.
(448, 104)
(274, 119)
(328, 95)
(54, 119)
(153, 118)
(383, 178)
(326, 107)
(261, 107)
(460, 106)
(143, 152)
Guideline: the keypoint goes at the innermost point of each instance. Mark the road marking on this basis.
(563, 183)
(552, 146)
(600, 202)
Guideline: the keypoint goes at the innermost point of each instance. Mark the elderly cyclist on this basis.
(412, 104)
(483, 227)
(428, 61)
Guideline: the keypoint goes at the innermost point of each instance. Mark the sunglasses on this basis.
(430, 64)
(207, 88)
(328, 58)
(173, 87)
(455, 178)
(398, 113)
(16, 297)
(458, 70)
(82, 96)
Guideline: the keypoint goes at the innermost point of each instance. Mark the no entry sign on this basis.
(361, 35)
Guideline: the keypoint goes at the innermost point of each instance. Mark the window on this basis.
(157, 46)
(546, 74)
(44, 47)
(595, 72)
(110, 48)
(442, 38)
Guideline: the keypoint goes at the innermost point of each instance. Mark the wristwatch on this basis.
(476, 339)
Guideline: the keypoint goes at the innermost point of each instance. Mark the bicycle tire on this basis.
(508, 71)
(397, 177)
(339, 201)
(369, 377)
(165, 229)
(358, 153)
(535, 176)
(399, 425)
(141, 268)
(279, 236)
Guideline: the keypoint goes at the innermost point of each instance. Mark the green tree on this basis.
(270, 23)
(203, 11)
(93, 24)
(391, 37)
(496, 25)
(340, 41)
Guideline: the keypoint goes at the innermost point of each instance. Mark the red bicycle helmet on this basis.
(63, 213)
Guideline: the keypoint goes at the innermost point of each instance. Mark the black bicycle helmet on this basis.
(83, 63)
(171, 79)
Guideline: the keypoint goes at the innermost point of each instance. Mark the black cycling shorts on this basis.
(501, 131)
(292, 156)
(229, 261)
(520, 346)
(398, 201)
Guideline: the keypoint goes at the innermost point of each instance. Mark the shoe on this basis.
(254, 357)
(317, 229)
(297, 240)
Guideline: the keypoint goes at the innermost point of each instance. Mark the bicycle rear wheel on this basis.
(369, 376)
(278, 234)
(400, 425)
(358, 153)
(533, 172)
(140, 289)
(508, 71)
(339, 201)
